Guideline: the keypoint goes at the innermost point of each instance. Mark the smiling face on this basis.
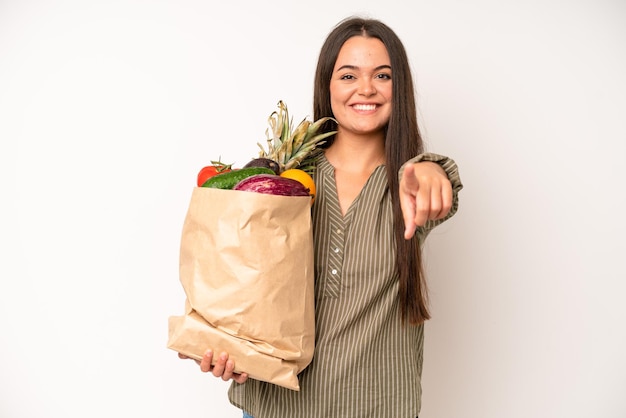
(360, 87)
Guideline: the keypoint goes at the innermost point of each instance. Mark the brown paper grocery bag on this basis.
(246, 265)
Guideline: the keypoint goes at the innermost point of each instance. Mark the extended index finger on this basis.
(409, 187)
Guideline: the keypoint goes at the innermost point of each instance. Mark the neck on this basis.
(356, 154)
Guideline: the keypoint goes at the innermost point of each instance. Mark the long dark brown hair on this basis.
(403, 141)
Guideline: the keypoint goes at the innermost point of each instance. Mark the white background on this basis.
(109, 108)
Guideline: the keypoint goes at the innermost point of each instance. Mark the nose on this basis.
(366, 87)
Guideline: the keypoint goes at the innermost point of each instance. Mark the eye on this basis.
(347, 77)
(384, 76)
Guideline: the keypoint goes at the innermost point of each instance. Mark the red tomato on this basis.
(212, 170)
(205, 174)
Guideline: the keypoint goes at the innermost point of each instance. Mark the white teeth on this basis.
(365, 107)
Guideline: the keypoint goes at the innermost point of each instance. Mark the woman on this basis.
(378, 196)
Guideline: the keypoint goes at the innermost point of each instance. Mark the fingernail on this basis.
(208, 353)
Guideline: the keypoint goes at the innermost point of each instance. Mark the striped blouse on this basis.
(366, 363)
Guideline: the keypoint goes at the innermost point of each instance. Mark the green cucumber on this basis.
(228, 180)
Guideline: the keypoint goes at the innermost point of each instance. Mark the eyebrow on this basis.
(354, 67)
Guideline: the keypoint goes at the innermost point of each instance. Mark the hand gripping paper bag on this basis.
(246, 266)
